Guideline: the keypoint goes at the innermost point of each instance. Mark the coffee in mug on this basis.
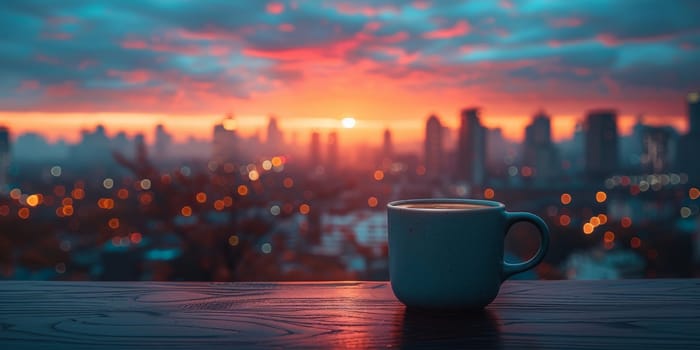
(448, 253)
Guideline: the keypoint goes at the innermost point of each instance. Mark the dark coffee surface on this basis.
(443, 206)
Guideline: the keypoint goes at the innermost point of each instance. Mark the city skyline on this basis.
(385, 63)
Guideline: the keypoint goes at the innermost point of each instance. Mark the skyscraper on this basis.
(332, 154)
(694, 113)
(690, 143)
(433, 152)
(315, 149)
(471, 148)
(601, 143)
(4, 158)
(275, 138)
(657, 148)
(539, 152)
(225, 141)
(163, 142)
(387, 145)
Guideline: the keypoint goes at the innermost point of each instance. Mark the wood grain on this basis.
(637, 314)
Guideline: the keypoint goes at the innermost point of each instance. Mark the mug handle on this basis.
(514, 218)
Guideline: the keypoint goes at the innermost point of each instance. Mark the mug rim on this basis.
(489, 205)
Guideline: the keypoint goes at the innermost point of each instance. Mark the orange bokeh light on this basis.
(609, 236)
(565, 198)
(113, 223)
(135, 237)
(78, 193)
(304, 209)
(626, 222)
(489, 193)
(601, 196)
(242, 190)
(67, 210)
(123, 193)
(588, 228)
(564, 220)
(201, 197)
(186, 211)
(694, 193)
(378, 175)
(23, 213)
(635, 242)
(372, 201)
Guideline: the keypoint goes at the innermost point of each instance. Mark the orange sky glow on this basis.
(387, 64)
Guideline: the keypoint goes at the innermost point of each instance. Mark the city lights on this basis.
(565, 199)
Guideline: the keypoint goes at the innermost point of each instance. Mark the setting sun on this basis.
(348, 122)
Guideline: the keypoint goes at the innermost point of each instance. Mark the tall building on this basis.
(225, 141)
(601, 143)
(332, 154)
(387, 145)
(275, 138)
(539, 152)
(163, 142)
(657, 149)
(315, 149)
(433, 151)
(4, 158)
(498, 157)
(690, 143)
(694, 113)
(471, 148)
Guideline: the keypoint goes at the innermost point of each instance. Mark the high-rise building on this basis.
(387, 145)
(332, 154)
(690, 142)
(694, 113)
(539, 152)
(225, 141)
(275, 138)
(4, 158)
(315, 149)
(601, 143)
(657, 149)
(433, 151)
(163, 142)
(471, 148)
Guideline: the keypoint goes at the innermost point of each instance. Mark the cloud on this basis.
(190, 55)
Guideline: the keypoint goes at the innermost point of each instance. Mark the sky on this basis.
(131, 64)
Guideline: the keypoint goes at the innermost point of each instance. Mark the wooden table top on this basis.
(629, 314)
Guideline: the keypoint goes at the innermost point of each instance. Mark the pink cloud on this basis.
(28, 85)
(421, 4)
(372, 26)
(582, 72)
(162, 46)
(86, 64)
(506, 4)
(132, 77)
(460, 28)
(46, 59)
(134, 44)
(275, 8)
(566, 22)
(61, 90)
(368, 11)
(286, 27)
(219, 50)
(607, 39)
(57, 36)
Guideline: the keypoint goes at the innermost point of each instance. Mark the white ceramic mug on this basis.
(448, 253)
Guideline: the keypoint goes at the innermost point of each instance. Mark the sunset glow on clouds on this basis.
(383, 62)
